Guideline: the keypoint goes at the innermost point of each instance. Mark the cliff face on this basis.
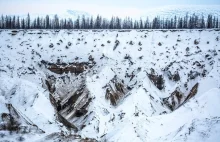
(113, 85)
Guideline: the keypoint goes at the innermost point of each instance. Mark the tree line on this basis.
(185, 22)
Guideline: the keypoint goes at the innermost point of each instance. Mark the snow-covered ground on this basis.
(146, 112)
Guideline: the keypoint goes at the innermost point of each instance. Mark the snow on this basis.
(169, 11)
(62, 14)
(141, 115)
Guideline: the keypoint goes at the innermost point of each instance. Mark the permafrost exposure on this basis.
(110, 85)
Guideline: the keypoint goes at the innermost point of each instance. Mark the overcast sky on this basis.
(93, 6)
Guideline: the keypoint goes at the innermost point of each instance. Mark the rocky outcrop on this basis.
(60, 136)
(115, 91)
(177, 98)
(174, 77)
(193, 74)
(75, 67)
(70, 98)
(174, 100)
(68, 92)
(157, 80)
(192, 93)
(14, 121)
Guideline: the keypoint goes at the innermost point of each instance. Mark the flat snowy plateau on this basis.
(110, 85)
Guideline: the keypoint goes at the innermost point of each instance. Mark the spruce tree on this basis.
(28, 21)
(91, 23)
(18, 23)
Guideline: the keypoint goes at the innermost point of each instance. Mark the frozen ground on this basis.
(171, 81)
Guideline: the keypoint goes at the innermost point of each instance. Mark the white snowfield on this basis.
(141, 115)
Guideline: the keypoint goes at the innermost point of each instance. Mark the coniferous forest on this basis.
(185, 22)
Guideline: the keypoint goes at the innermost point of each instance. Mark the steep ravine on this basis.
(109, 85)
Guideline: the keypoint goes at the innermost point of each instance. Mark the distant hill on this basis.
(180, 11)
(67, 14)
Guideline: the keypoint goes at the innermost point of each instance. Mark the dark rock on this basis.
(115, 91)
(196, 42)
(69, 43)
(193, 74)
(20, 139)
(80, 112)
(177, 99)
(174, 100)
(197, 64)
(176, 76)
(91, 58)
(157, 80)
(51, 45)
(127, 57)
(139, 43)
(60, 68)
(116, 44)
(131, 43)
(15, 122)
(70, 98)
(192, 93)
